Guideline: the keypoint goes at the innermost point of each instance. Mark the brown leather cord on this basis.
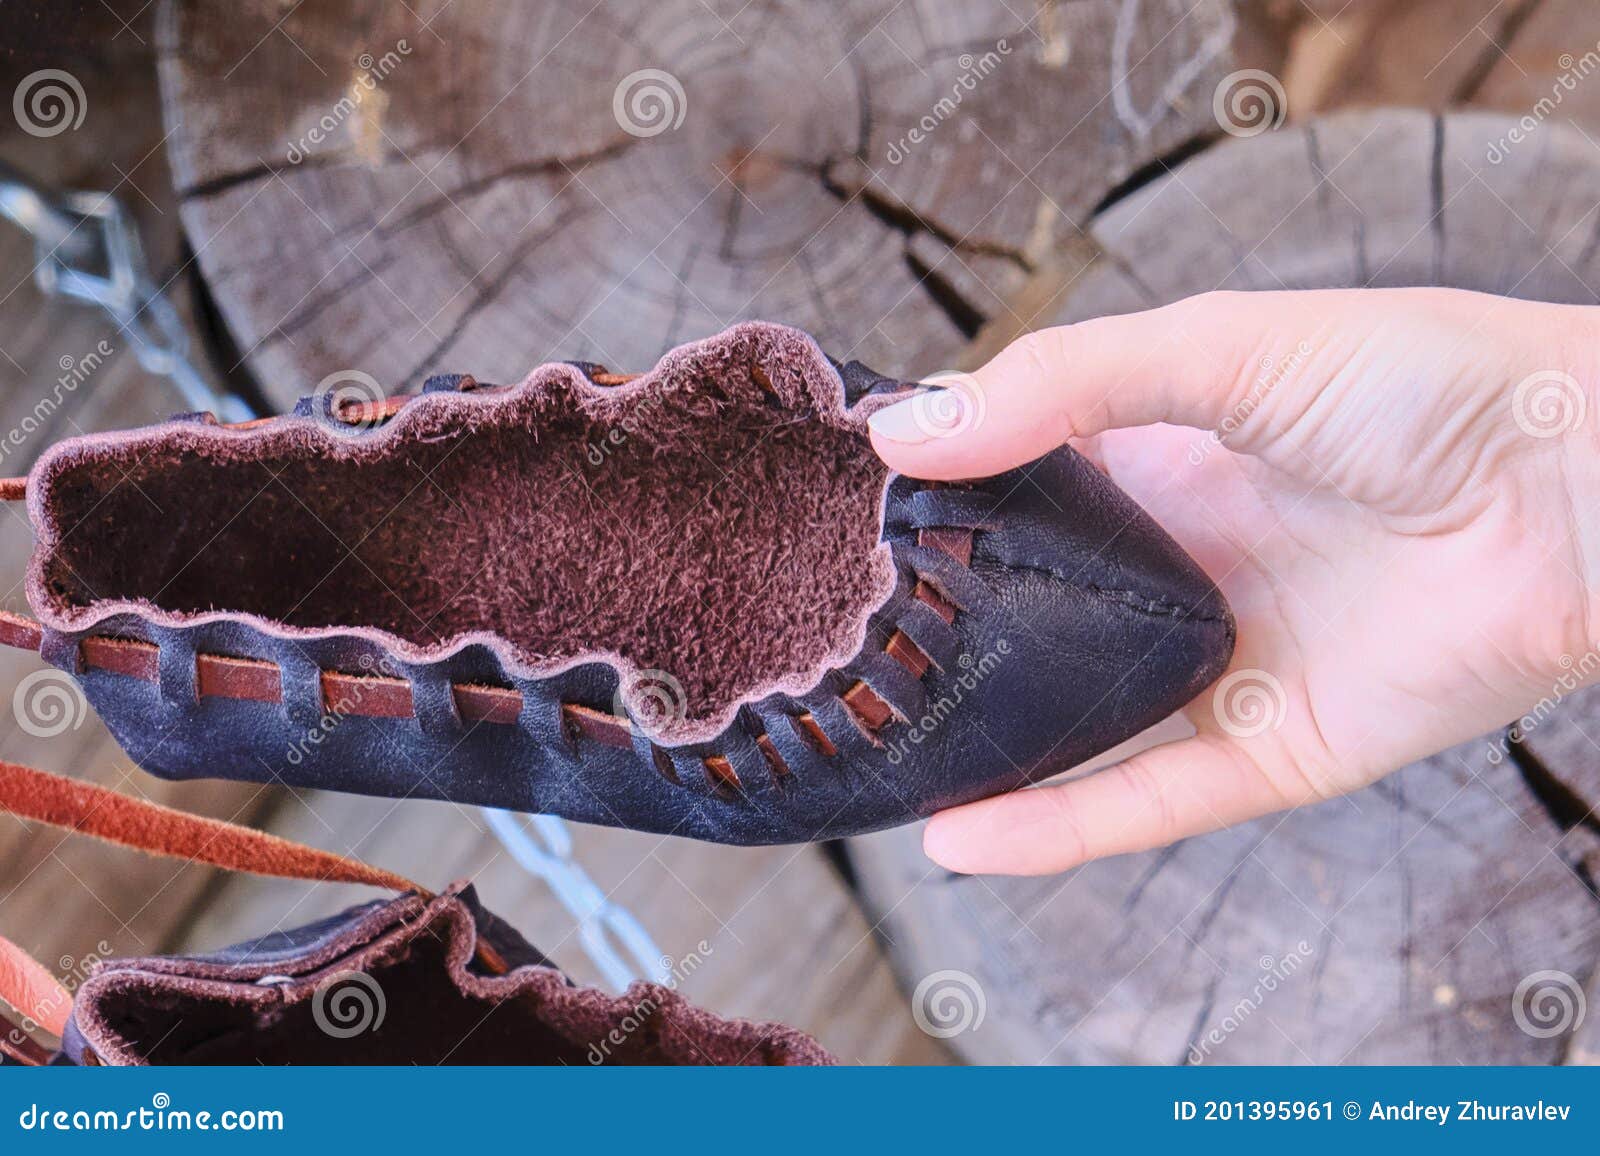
(89, 809)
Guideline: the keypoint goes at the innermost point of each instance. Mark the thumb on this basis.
(1185, 363)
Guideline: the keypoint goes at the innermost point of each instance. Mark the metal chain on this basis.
(87, 249)
(611, 936)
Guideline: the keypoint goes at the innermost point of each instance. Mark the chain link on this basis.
(86, 249)
(612, 937)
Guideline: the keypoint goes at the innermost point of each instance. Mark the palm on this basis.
(1360, 613)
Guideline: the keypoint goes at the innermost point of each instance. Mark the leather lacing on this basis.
(382, 696)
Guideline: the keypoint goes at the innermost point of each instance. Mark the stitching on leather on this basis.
(1132, 599)
(869, 709)
(721, 775)
(769, 750)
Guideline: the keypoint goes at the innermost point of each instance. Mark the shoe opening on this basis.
(711, 527)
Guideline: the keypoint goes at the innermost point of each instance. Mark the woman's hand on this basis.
(1403, 510)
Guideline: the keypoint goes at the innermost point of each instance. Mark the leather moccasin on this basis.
(691, 601)
(412, 980)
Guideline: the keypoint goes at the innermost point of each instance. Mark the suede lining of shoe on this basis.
(711, 528)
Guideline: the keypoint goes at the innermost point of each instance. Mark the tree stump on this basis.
(1432, 918)
(405, 189)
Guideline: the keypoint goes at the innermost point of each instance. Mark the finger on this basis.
(1157, 797)
(1188, 363)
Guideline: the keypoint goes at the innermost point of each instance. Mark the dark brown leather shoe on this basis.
(691, 602)
(406, 981)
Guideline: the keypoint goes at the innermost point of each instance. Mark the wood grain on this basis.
(410, 189)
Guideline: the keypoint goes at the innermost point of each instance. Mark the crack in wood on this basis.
(1153, 170)
(491, 290)
(1497, 49)
(903, 218)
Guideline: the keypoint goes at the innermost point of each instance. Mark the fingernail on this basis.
(945, 410)
(901, 422)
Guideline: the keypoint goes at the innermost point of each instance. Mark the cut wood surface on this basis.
(1393, 925)
(407, 189)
